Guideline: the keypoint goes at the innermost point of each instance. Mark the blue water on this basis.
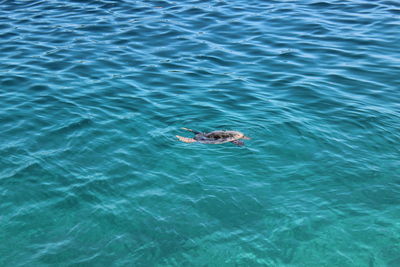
(92, 94)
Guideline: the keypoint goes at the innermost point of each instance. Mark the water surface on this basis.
(92, 94)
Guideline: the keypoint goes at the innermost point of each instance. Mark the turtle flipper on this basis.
(238, 142)
(185, 139)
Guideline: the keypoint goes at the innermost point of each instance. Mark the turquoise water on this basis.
(92, 94)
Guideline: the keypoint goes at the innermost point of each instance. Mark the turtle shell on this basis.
(218, 137)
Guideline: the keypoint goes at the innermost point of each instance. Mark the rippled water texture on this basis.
(92, 94)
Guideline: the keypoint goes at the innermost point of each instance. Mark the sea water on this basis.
(92, 94)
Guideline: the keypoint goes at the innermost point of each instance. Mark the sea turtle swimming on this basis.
(215, 137)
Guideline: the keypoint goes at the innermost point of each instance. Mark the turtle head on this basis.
(246, 137)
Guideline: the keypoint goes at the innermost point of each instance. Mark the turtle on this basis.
(215, 137)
